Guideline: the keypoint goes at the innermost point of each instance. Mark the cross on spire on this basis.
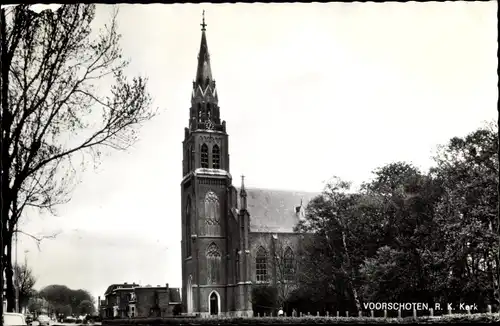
(203, 25)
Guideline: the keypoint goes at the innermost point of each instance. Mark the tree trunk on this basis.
(9, 275)
(4, 175)
(350, 276)
(498, 210)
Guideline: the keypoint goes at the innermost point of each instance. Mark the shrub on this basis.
(264, 299)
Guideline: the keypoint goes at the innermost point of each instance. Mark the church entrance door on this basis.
(214, 304)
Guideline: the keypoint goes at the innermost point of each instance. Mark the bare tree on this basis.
(285, 265)
(283, 252)
(25, 282)
(53, 111)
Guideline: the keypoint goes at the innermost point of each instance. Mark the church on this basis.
(231, 236)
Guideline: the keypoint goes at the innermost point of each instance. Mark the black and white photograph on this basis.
(249, 163)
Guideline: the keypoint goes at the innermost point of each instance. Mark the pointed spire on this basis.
(204, 71)
(204, 112)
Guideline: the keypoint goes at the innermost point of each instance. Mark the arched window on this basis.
(209, 113)
(188, 227)
(212, 214)
(213, 264)
(289, 264)
(215, 157)
(261, 265)
(204, 156)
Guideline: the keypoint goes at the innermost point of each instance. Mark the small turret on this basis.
(243, 194)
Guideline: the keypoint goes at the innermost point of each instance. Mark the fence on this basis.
(415, 313)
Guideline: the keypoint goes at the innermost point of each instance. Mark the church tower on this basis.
(206, 191)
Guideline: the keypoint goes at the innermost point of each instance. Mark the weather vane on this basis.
(203, 25)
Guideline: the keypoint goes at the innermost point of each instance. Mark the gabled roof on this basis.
(275, 210)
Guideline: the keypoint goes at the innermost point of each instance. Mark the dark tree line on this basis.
(58, 299)
(63, 300)
(408, 236)
(64, 99)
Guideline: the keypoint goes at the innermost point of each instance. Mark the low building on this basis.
(117, 299)
(132, 300)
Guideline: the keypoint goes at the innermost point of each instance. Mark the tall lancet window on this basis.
(216, 157)
(212, 214)
(261, 265)
(188, 227)
(204, 156)
(213, 264)
(289, 264)
(189, 158)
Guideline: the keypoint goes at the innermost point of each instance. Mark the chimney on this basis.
(125, 283)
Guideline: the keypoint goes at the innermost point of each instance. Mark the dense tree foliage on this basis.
(409, 236)
(264, 299)
(66, 301)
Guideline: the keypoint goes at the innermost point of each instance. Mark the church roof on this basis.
(275, 210)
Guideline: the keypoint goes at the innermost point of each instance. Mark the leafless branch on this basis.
(38, 239)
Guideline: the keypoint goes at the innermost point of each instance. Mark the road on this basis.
(55, 323)
(72, 324)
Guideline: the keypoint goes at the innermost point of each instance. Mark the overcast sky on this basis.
(308, 91)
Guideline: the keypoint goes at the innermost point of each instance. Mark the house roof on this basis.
(275, 210)
(116, 286)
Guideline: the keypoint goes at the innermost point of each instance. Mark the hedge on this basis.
(475, 318)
